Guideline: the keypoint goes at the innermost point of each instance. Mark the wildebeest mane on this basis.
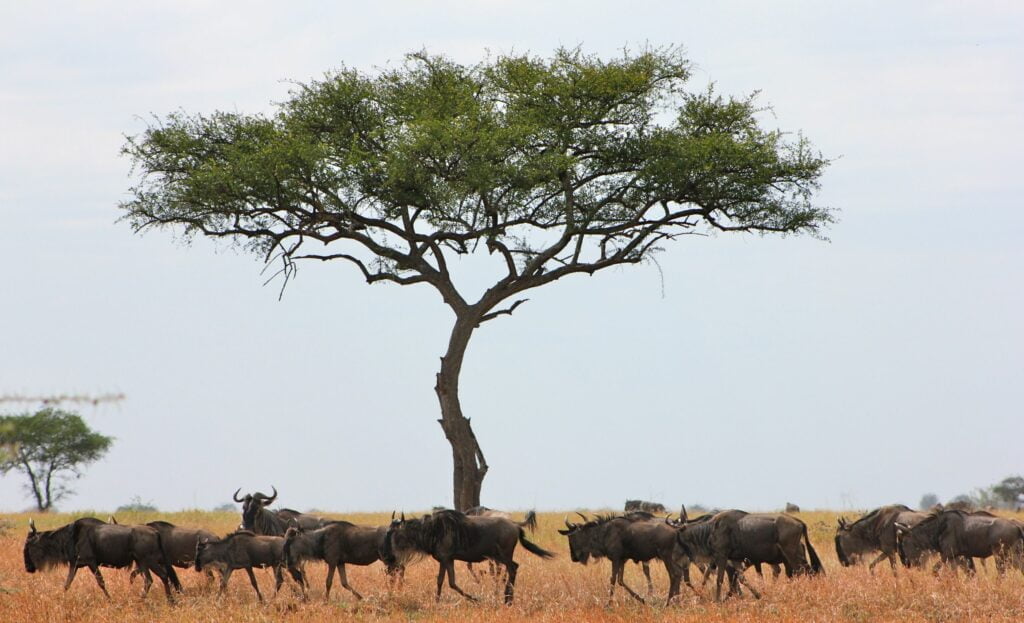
(54, 547)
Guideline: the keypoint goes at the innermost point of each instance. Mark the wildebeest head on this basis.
(403, 541)
(252, 503)
(850, 543)
(914, 542)
(210, 552)
(583, 539)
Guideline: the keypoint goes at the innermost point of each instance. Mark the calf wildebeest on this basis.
(449, 535)
(735, 537)
(338, 543)
(959, 536)
(646, 507)
(91, 543)
(637, 536)
(245, 550)
(257, 518)
(874, 531)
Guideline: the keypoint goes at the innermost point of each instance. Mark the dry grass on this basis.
(555, 590)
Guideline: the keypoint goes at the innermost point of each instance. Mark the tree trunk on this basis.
(468, 464)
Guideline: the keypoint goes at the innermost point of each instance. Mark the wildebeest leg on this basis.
(451, 582)
(472, 573)
(224, 577)
(441, 571)
(255, 585)
(72, 570)
(741, 579)
(300, 578)
(344, 581)
(646, 566)
(880, 558)
(776, 571)
(99, 579)
(720, 565)
(511, 567)
(622, 581)
(330, 579)
(147, 581)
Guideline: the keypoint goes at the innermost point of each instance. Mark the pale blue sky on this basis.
(870, 369)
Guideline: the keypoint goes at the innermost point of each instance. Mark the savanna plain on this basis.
(546, 590)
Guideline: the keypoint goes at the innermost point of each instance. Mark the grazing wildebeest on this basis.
(245, 550)
(646, 507)
(257, 518)
(91, 543)
(736, 538)
(338, 543)
(637, 536)
(959, 536)
(449, 535)
(874, 531)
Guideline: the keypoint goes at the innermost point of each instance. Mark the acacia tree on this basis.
(49, 446)
(552, 167)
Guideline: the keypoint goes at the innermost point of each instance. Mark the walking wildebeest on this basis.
(179, 545)
(959, 536)
(257, 518)
(638, 536)
(874, 531)
(449, 535)
(646, 507)
(741, 538)
(705, 559)
(91, 543)
(338, 543)
(245, 550)
(530, 522)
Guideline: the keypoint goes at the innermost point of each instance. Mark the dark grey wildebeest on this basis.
(637, 537)
(643, 506)
(873, 532)
(245, 550)
(257, 518)
(736, 538)
(179, 544)
(338, 543)
(91, 543)
(529, 522)
(449, 535)
(958, 537)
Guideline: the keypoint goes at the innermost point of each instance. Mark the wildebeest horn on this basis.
(568, 525)
(403, 516)
(392, 515)
(271, 499)
(682, 513)
(112, 520)
(235, 496)
(582, 515)
(32, 525)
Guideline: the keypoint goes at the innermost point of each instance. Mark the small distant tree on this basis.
(137, 505)
(928, 500)
(226, 507)
(50, 447)
(1009, 490)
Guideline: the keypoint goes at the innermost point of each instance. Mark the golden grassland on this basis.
(547, 590)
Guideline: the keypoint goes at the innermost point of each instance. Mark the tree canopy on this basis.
(558, 166)
(50, 446)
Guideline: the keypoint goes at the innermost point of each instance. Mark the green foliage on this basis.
(928, 500)
(1009, 490)
(137, 505)
(523, 153)
(49, 446)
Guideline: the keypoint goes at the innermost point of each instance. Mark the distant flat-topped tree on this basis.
(554, 167)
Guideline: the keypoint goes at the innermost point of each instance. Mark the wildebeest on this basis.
(874, 531)
(257, 518)
(179, 544)
(637, 536)
(338, 543)
(91, 543)
(959, 536)
(792, 508)
(529, 522)
(449, 535)
(646, 507)
(245, 550)
(734, 538)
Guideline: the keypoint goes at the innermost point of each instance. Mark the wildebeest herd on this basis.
(725, 543)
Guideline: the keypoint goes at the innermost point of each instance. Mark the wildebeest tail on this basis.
(816, 566)
(530, 522)
(165, 560)
(533, 548)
